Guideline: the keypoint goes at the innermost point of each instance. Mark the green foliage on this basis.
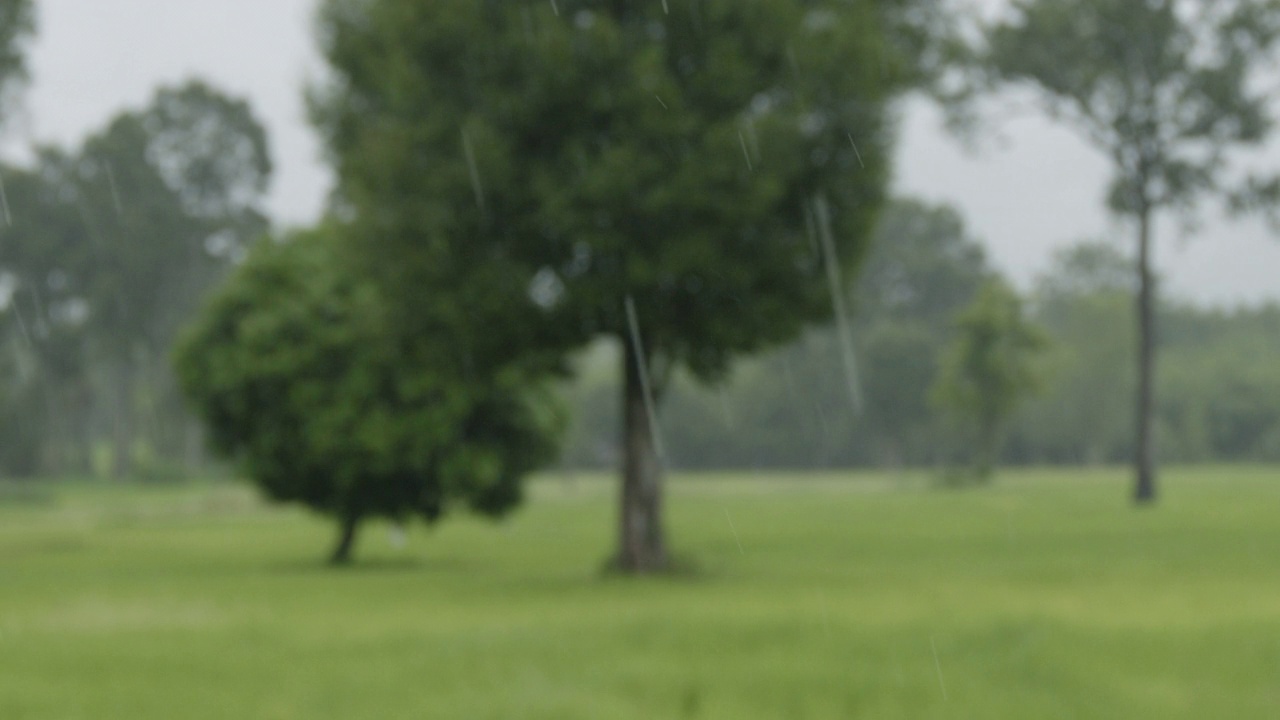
(616, 151)
(789, 407)
(1217, 385)
(300, 373)
(109, 247)
(169, 195)
(922, 268)
(661, 174)
(922, 271)
(44, 340)
(899, 364)
(989, 370)
(1169, 91)
(1084, 414)
(779, 410)
(852, 598)
(1221, 385)
(1165, 88)
(17, 24)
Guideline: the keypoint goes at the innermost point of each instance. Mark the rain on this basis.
(451, 343)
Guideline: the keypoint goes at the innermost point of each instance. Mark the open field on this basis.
(1044, 596)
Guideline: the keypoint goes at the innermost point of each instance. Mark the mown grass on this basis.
(1044, 596)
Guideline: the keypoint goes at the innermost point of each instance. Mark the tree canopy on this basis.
(1166, 89)
(112, 245)
(298, 373)
(17, 24)
(989, 370)
(789, 407)
(678, 177)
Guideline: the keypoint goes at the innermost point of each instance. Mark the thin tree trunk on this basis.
(346, 540)
(1144, 458)
(642, 546)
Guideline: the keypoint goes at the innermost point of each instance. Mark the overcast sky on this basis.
(1038, 190)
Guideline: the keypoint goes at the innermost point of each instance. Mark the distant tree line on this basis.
(687, 205)
(1219, 386)
(689, 182)
(96, 287)
(106, 249)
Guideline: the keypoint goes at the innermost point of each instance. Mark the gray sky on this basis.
(1038, 190)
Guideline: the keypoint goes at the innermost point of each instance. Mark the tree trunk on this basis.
(642, 547)
(346, 540)
(1144, 458)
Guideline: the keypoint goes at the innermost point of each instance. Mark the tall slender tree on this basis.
(1166, 89)
(989, 370)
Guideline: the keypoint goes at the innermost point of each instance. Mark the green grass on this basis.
(1044, 596)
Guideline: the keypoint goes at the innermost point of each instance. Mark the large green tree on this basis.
(680, 177)
(300, 374)
(1167, 89)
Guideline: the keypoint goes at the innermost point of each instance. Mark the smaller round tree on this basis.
(988, 371)
(299, 375)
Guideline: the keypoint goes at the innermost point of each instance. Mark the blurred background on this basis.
(1023, 200)
(893, 359)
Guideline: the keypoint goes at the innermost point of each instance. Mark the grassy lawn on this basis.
(815, 596)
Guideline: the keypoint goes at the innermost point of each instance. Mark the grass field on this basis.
(1044, 596)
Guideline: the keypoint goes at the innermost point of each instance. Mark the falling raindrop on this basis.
(855, 151)
(650, 410)
(745, 154)
(735, 531)
(823, 213)
(555, 8)
(22, 324)
(937, 664)
(115, 192)
(471, 168)
(4, 205)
